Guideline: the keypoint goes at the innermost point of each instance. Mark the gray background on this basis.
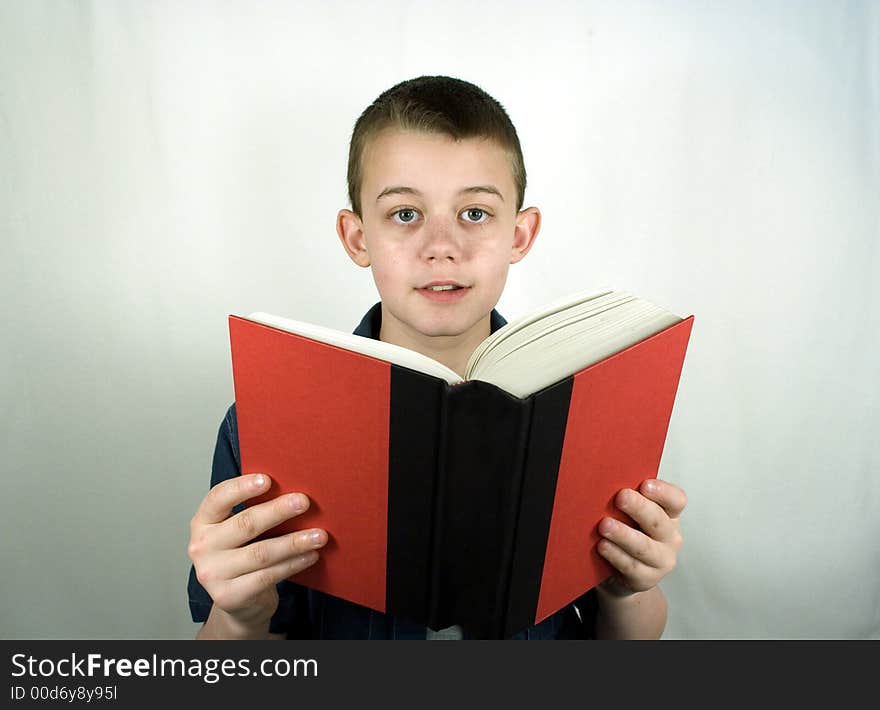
(165, 164)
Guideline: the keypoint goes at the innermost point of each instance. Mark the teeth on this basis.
(447, 287)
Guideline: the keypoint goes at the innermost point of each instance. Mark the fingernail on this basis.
(316, 538)
(259, 480)
(652, 486)
(608, 525)
(297, 502)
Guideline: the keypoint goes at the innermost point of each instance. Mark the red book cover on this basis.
(315, 418)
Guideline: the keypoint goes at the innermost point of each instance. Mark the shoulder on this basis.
(371, 324)
(230, 421)
(227, 459)
(229, 429)
(496, 321)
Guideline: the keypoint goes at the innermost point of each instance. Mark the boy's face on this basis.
(437, 210)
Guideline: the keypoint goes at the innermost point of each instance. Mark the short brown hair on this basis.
(435, 104)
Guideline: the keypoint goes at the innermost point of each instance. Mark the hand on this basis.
(642, 557)
(241, 577)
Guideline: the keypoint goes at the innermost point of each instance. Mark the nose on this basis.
(440, 240)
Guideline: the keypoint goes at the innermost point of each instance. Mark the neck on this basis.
(450, 350)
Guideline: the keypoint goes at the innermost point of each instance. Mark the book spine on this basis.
(483, 435)
(437, 610)
(465, 541)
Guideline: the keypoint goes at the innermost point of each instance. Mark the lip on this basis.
(444, 296)
(443, 283)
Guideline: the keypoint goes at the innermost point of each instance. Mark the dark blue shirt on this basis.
(309, 614)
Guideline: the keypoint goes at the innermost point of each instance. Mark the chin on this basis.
(442, 331)
(439, 320)
(453, 324)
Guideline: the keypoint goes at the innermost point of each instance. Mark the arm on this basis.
(631, 605)
(635, 616)
(221, 625)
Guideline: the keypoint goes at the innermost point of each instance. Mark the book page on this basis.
(357, 343)
(578, 305)
(540, 352)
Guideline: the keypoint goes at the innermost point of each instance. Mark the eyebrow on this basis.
(403, 190)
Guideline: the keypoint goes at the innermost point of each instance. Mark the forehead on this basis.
(425, 160)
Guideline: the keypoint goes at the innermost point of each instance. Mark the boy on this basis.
(436, 182)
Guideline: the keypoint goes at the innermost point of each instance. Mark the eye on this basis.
(475, 215)
(406, 215)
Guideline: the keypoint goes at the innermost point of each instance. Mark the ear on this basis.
(351, 233)
(528, 224)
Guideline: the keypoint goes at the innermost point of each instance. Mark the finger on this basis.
(267, 553)
(240, 591)
(221, 499)
(254, 520)
(636, 574)
(667, 495)
(634, 542)
(650, 517)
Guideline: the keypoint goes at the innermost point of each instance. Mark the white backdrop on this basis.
(165, 164)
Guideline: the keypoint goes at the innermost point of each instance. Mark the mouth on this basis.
(440, 286)
(443, 291)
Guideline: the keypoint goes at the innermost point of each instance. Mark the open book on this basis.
(468, 501)
(528, 354)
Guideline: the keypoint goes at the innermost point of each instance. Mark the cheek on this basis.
(498, 280)
(496, 260)
(388, 269)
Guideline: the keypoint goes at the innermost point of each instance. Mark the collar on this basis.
(371, 323)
